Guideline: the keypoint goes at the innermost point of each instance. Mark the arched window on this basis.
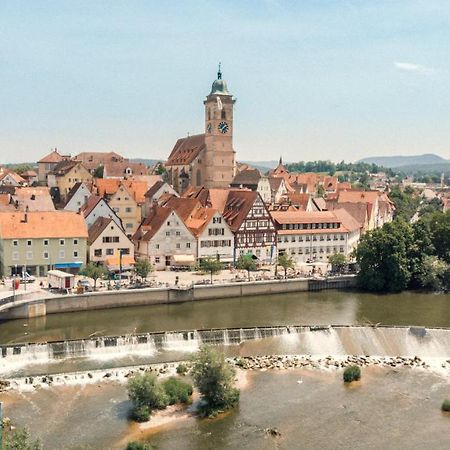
(209, 114)
(199, 178)
(224, 115)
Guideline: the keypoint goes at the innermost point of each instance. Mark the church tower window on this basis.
(223, 115)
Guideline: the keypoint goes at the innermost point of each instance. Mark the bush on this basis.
(214, 378)
(144, 390)
(352, 373)
(21, 440)
(140, 413)
(138, 446)
(177, 391)
(182, 369)
(446, 405)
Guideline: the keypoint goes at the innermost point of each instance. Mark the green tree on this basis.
(383, 258)
(147, 394)
(337, 261)
(99, 171)
(439, 224)
(142, 268)
(286, 262)
(20, 440)
(246, 262)
(92, 270)
(214, 378)
(406, 202)
(418, 250)
(211, 265)
(435, 273)
(139, 446)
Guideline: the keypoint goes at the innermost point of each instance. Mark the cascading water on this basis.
(315, 340)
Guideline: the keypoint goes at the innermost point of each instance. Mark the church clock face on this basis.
(223, 127)
(209, 128)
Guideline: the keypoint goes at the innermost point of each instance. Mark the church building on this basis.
(207, 159)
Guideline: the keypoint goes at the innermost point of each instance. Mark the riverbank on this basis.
(54, 304)
(310, 407)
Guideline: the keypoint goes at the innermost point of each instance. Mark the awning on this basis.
(183, 260)
(72, 265)
(112, 263)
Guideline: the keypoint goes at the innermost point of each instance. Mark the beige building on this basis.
(65, 175)
(207, 159)
(109, 245)
(36, 242)
(48, 163)
(315, 236)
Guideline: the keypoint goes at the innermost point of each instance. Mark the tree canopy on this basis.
(246, 262)
(142, 268)
(286, 262)
(211, 265)
(92, 270)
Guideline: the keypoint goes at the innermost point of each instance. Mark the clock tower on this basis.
(219, 154)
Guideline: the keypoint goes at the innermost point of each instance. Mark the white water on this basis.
(336, 341)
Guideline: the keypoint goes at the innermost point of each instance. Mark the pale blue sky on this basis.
(314, 79)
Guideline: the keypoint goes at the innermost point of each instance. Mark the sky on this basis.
(313, 79)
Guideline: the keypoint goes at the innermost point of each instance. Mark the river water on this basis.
(305, 308)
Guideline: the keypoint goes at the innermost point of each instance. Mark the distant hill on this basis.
(263, 166)
(406, 161)
(147, 162)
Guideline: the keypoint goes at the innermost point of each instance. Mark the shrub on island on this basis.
(446, 405)
(214, 378)
(177, 391)
(147, 394)
(352, 373)
(139, 446)
(182, 369)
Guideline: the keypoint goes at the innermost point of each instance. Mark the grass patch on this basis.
(352, 373)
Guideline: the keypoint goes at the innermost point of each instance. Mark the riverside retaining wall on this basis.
(23, 309)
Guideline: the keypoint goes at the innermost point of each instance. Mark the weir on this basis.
(307, 340)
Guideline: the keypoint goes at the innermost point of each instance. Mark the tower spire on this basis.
(219, 73)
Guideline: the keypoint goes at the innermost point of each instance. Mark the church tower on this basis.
(219, 163)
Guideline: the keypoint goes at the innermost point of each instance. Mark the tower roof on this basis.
(219, 87)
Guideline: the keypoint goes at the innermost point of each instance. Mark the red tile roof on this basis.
(186, 150)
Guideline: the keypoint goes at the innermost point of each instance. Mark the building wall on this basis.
(264, 189)
(101, 210)
(79, 199)
(216, 240)
(109, 249)
(75, 175)
(39, 257)
(124, 205)
(173, 238)
(317, 247)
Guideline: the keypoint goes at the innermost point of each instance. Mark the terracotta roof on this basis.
(200, 220)
(5, 200)
(42, 224)
(186, 150)
(152, 223)
(91, 160)
(185, 207)
(53, 157)
(238, 205)
(29, 174)
(247, 177)
(358, 196)
(137, 189)
(89, 206)
(154, 189)
(320, 203)
(97, 228)
(358, 211)
(275, 183)
(346, 221)
(15, 176)
(299, 200)
(63, 167)
(118, 169)
(33, 198)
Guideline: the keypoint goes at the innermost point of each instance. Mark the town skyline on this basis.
(342, 87)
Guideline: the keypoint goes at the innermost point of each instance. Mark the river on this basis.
(304, 308)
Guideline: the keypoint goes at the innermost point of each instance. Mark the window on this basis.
(45, 242)
(62, 254)
(178, 233)
(168, 223)
(110, 251)
(29, 255)
(15, 243)
(188, 245)
(167, 233)
(45, 255)
(15, 256)
(75, 242)
(29, 243)
(156, 246)
(178, 245)
(128, 210)
(75, 254)
(98, 252)
(62, 242)
(157, 259)
(129, 225)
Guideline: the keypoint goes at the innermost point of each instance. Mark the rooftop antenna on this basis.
(219, 73)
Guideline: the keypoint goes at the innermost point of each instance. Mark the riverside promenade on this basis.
(26, 306)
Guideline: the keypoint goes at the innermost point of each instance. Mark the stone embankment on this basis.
(261, 363)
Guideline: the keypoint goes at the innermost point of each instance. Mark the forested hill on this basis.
(402, 161)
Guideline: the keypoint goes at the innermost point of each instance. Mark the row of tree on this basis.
(331, 168)
(401, 255)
